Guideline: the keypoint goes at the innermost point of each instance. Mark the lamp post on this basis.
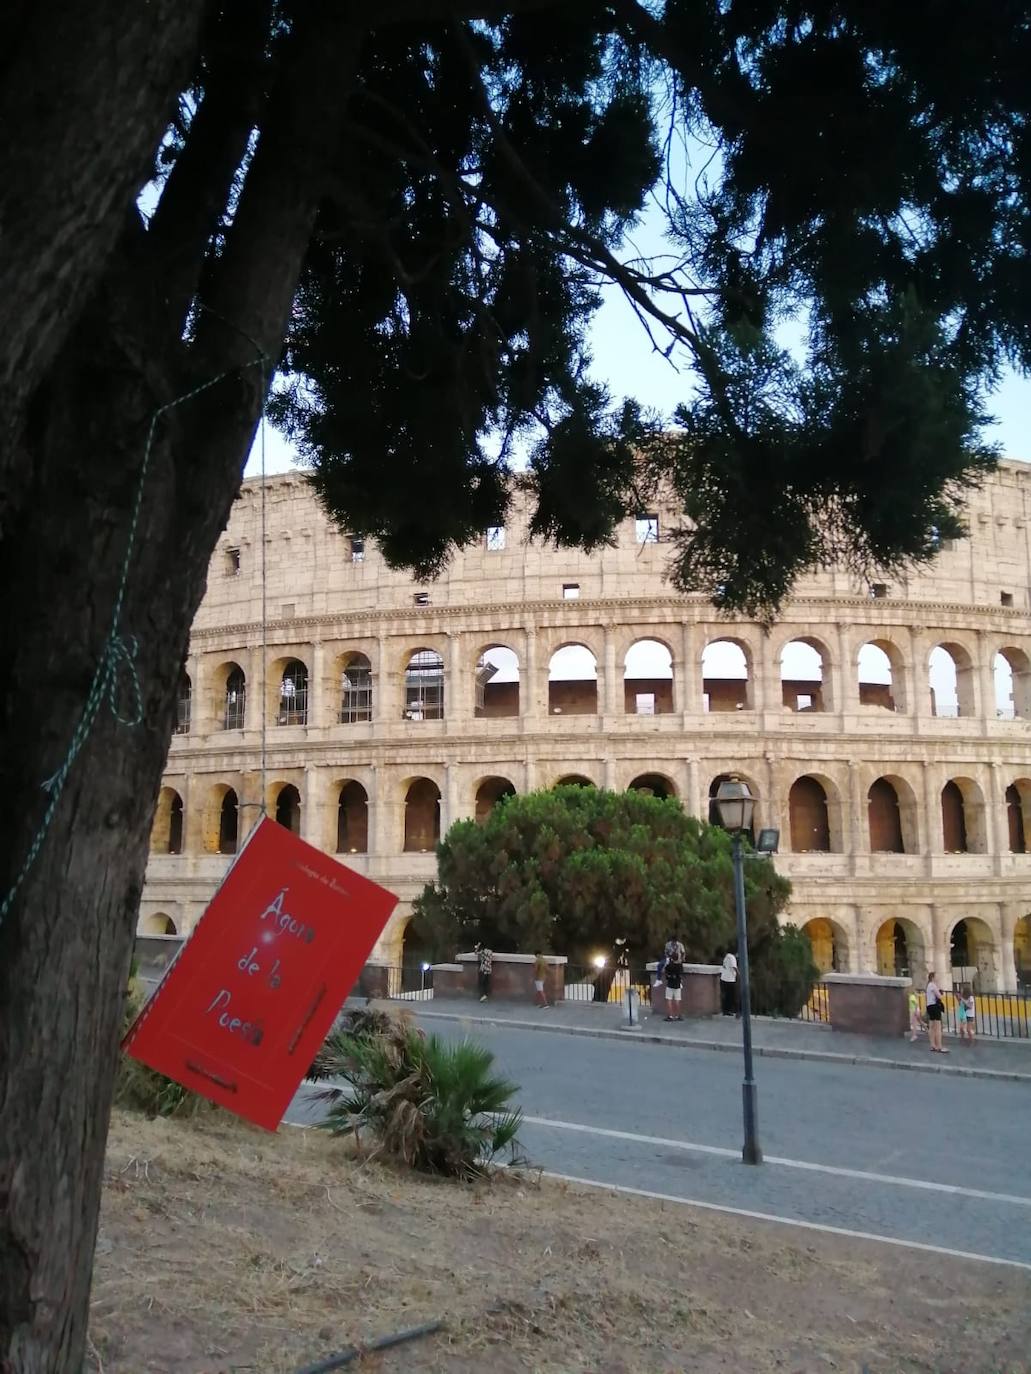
(736, 806)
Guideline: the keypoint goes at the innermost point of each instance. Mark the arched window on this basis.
(424, 686)
(901, 950)
(885, 818)
(1012, 671)
(356, 691)
(156, 924)
(950, 680)
(489, 793)
(235, 706)
(183, 704)
(353, 819)
(877, 676)
(1022, 952)
(655, 784)
(802, 676)
(810, 824)
(574, 780)
(648, 679)
(422, 816)
(726, 677)
(1016, 818)
(954, 819)
(972, 953)
(167, 834)
(293, 694)
(829, 943)
(497, 683)
(228, 823)
(573, 682)
(288, 808)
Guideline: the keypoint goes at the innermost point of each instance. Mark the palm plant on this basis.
(436, 1106)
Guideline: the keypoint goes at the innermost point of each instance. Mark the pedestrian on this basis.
(916, 1021)
(674, 949)
(674, 976)
(966, 1014)
(485, 966)
(540, 972)
(728, 983)
(935, 1009)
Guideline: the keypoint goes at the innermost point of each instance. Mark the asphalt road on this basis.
(913, 1157)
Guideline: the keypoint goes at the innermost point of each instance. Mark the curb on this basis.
(760, 1051)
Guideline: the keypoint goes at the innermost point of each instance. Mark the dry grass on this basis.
(225, 1249)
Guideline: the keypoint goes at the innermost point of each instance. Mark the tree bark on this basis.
(86, 91)
(66, 943)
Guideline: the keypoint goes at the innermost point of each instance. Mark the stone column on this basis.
(771, 803)
(938, 955)
(687, 685)
(375, 843)
(530, 775)
(201, 714)
(313, 812)
(984, 682)
(933, 838)
(693, 801)
(859, 831)
(609, 772)
(996, 821)
(611, 699)
(845, 700)
(529, 684)
(765, 693)
(918, 687)
(450, 801)
(458, 704)
(389, 683)
(192, 836)
(1009, 914)
(317, 704)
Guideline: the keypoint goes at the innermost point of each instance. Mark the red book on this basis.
(241, 1013)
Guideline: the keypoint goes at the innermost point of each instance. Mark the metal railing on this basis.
(1000, 1015)
(588, 983)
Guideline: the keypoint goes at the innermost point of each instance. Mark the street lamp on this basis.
(736, 806)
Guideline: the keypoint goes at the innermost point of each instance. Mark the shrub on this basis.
(434, 1105)
(143, 1089)
(782, 973)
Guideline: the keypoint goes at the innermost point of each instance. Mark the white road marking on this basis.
(789, 1221)
(893, 1179)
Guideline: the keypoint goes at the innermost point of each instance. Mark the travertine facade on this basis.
(902, 810)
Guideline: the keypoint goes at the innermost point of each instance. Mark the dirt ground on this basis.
(226, 1249)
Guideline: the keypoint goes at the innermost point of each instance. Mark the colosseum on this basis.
(884, 727)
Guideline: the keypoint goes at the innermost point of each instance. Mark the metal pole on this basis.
(751, 1152)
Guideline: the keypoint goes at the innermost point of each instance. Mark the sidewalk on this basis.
(771, 1038)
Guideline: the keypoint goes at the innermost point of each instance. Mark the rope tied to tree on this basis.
(116, 674)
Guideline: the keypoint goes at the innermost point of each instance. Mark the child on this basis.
(968, 1008)
(540, 972)
(916, 1023)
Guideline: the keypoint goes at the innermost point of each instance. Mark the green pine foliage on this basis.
(575, 869)
(434, 1105)
(852, 177)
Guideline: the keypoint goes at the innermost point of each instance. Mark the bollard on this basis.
(633, 1011)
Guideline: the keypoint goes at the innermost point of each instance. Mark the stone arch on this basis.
(355, 686)
(183, 704)
(893, 816)
(657, 784)
(950, 680)
(222, 820)
(648, 687)
(974, 954)
(1011, 669)
(573, 780)
(573, 681)
(166, 836)
(902, 948)
(290, 685)
(805, 674)
(286, 807)
(885, 818)
(417, 955)
(229, 683)
(880, 674)
(830, 944)
(488, 793)
(728, 682)
(422, 816)
(156, 923)
(497, 682)
(1022, 952)
(809, 816)
(1018, 814)
(963, 819)
(424, 686)
(352, 818)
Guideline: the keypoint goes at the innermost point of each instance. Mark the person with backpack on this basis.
(673, 973)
